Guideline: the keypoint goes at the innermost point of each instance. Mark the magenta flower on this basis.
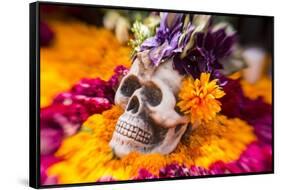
(50, 140)
(69, 110)
(176, 170)
(93, 88)
(46, 34)
(197, 171)
(45, 163)
(263, 128)
(257, 158)
(92, 105)
(119, 72)
(173, 170)
(256, 112)
(57, 121)
(144, 174)
(67, 117)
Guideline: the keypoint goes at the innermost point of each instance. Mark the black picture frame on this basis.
(34, 93)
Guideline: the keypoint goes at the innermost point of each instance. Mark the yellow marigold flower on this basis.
(87, 157)
(198, 98)
(78, 51)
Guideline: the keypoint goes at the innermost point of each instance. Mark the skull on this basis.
(150, 122)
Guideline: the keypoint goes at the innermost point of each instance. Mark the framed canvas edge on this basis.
(34, 94)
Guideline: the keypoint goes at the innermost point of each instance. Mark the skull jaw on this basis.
(122, 145)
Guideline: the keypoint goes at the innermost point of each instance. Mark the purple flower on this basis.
(193, 64)
(46, 34)
(176, 170)
(173, 170)
(263, 128)
(165, 42)
(206, 54)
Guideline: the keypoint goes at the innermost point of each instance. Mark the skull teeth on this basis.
(133, 132)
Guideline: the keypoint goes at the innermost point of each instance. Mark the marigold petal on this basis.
(198, 98)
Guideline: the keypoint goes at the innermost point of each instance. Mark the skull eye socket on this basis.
(129, 86)
(153, 94)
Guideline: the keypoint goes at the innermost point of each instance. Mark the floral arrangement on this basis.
(233, 117)
(199, 98)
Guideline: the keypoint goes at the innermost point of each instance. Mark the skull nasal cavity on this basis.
(133, 105)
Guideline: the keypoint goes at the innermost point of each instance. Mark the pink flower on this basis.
(119, 72)
(63, 116)
(50, 140)
(45, 163)
(93, 88)
(57, 121)
(144, 174)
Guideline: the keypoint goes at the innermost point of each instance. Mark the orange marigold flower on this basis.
(85, 52)
(87, 157)
(262, 88)
(198, 98)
